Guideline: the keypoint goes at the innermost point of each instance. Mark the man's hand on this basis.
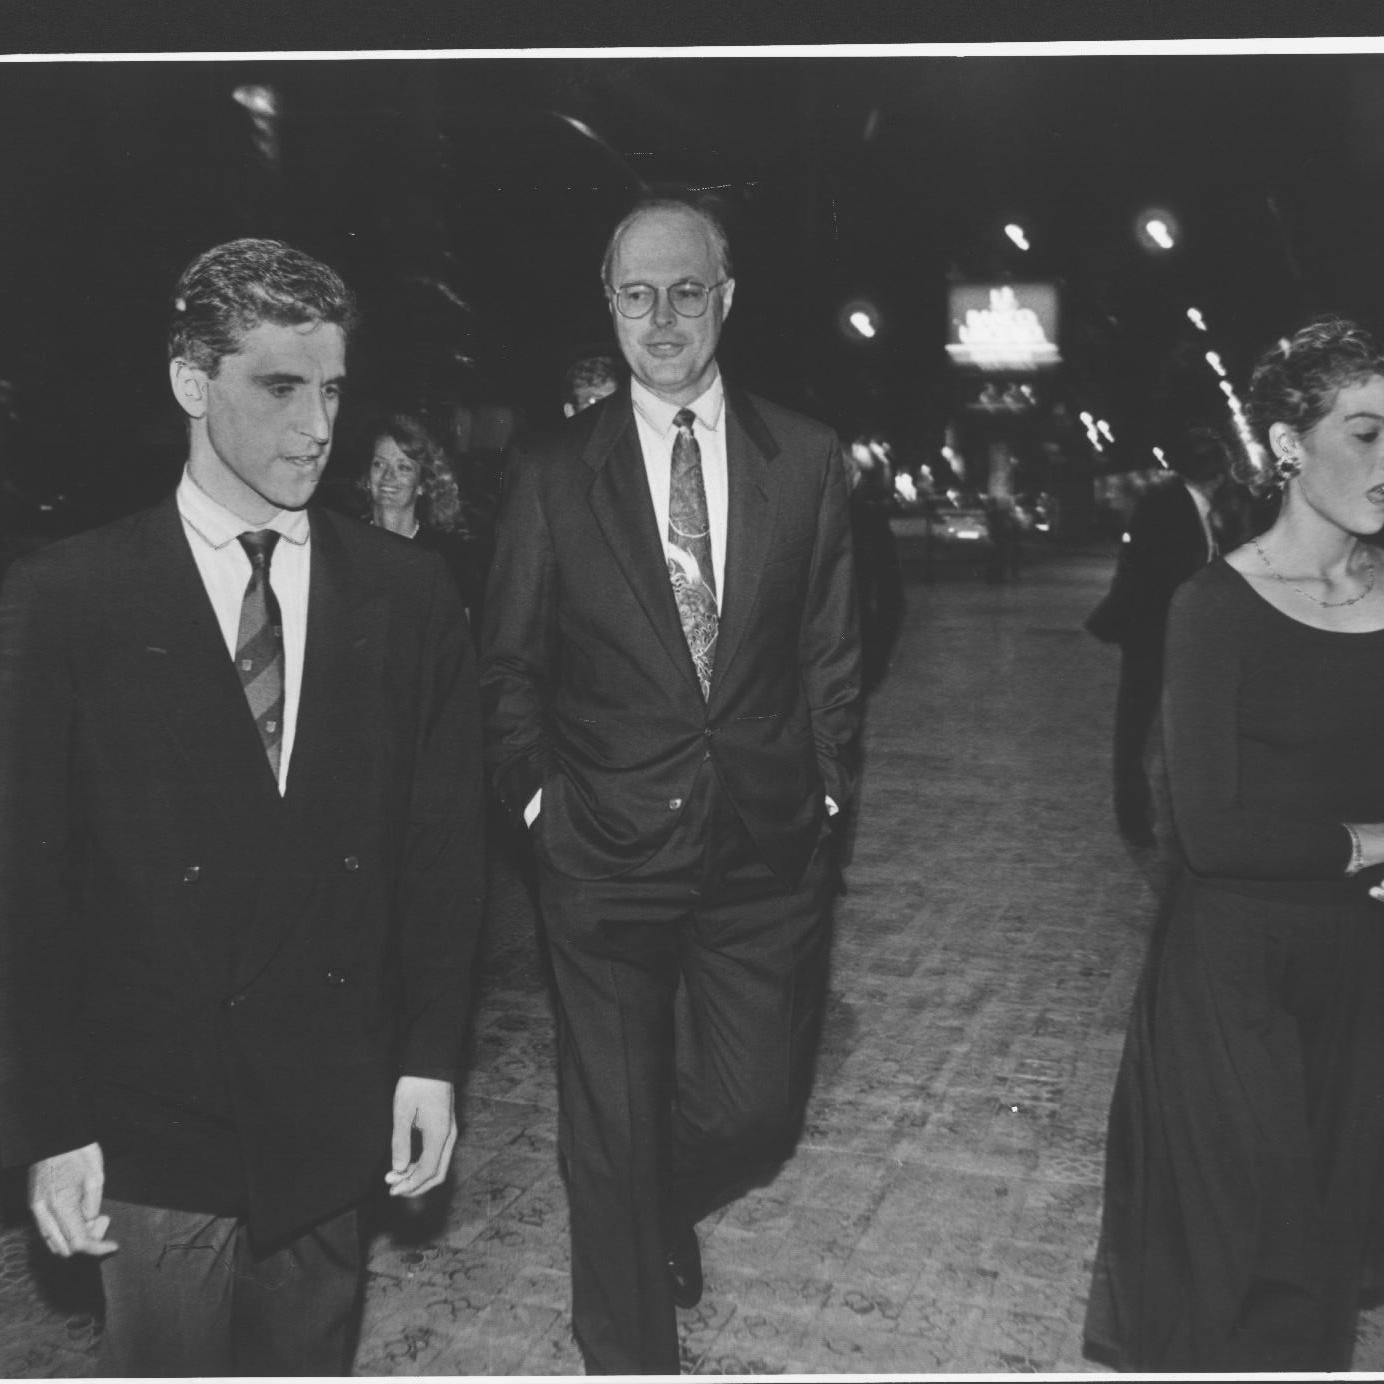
(65, 1197)
(426, 1105)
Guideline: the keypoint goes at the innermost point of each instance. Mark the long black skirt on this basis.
(1245, 1155)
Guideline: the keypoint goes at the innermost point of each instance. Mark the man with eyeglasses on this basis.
(671, 678)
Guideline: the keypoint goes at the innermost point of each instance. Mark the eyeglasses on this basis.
(688, 298)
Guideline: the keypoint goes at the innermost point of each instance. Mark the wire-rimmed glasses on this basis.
(687, 298)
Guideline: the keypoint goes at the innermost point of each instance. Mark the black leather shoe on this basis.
(685, 1266)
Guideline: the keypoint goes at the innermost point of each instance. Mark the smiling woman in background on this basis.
(414, 493)
(1243, 1165)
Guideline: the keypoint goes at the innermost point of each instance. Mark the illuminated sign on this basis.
(1005, 327)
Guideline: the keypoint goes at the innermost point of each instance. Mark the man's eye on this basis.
(687, 293)
(1367, 436)
(281, 391)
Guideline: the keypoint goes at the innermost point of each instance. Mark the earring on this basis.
(1285, 467)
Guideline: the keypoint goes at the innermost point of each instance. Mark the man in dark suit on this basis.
(240, 860)
(671, 680)
(1173, 532)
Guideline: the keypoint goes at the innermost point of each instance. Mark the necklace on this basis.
(1316, 600)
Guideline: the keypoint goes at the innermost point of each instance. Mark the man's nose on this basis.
(664, 315)
(317, 419)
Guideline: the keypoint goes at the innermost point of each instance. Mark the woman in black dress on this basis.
(1245, 1158)
(414, 493)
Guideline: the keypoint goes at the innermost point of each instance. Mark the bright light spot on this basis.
(1162, 459)
(258, 100)
(1196, 319)
(1124, 537)
(1227, 389)
(861, 452)
(1087, 418)
(1016, 234)
(904, 488)
(1159, 233)
(1104, 429)
(860, 320)
(1214, 361)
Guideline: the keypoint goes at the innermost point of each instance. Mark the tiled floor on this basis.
(941, 1212)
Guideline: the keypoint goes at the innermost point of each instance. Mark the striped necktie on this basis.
(689, 550)
(259, 646)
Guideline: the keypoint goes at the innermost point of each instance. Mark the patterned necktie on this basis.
(689, 556)
(259, 647)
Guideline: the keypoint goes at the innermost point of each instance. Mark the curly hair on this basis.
(231, 289)
(439, 498)
(1297, 380)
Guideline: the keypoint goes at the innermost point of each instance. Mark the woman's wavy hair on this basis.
(439, 497)
(1296, 381)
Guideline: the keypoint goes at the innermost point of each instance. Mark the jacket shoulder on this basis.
(382, 557)
(103, 553)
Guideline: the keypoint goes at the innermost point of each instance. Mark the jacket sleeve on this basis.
(519, 641)
(829, 643)
(442, 877)
(1223, 832)
(41, 960)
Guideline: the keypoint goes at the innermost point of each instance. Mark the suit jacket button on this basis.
(335, 978)
(674, 804)
(352, 862)
(191, 874)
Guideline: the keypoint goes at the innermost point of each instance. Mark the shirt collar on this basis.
(659, 413)
(216, 526)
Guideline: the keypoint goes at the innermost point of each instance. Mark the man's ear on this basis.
(189, 387)
(727, 295)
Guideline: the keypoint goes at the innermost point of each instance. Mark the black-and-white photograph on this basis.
(701, 711)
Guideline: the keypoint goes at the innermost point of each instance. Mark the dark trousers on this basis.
(1136, 708)
(656, 1132)
(187, 1295)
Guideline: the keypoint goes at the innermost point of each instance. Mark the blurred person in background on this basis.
(878, 572)
(587, 380)
(1173, 533)
(1244, 1205)
(413, 492)
(1002, 562)
(241, 865)
(671, 677)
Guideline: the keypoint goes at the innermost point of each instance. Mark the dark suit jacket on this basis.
(589, 689)
(182, 951)
(1165, 546)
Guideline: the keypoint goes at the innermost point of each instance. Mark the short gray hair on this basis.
(698, 207)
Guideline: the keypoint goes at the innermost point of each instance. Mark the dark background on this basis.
(469, 210)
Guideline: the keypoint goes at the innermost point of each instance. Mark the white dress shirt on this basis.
(654, 417)
(212, 533)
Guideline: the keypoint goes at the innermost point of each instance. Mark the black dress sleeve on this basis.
(1221, 832)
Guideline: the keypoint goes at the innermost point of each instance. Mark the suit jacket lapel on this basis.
(620, 501)
(749, 447)
(206, 714)
(341, 664)
(342, 674)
